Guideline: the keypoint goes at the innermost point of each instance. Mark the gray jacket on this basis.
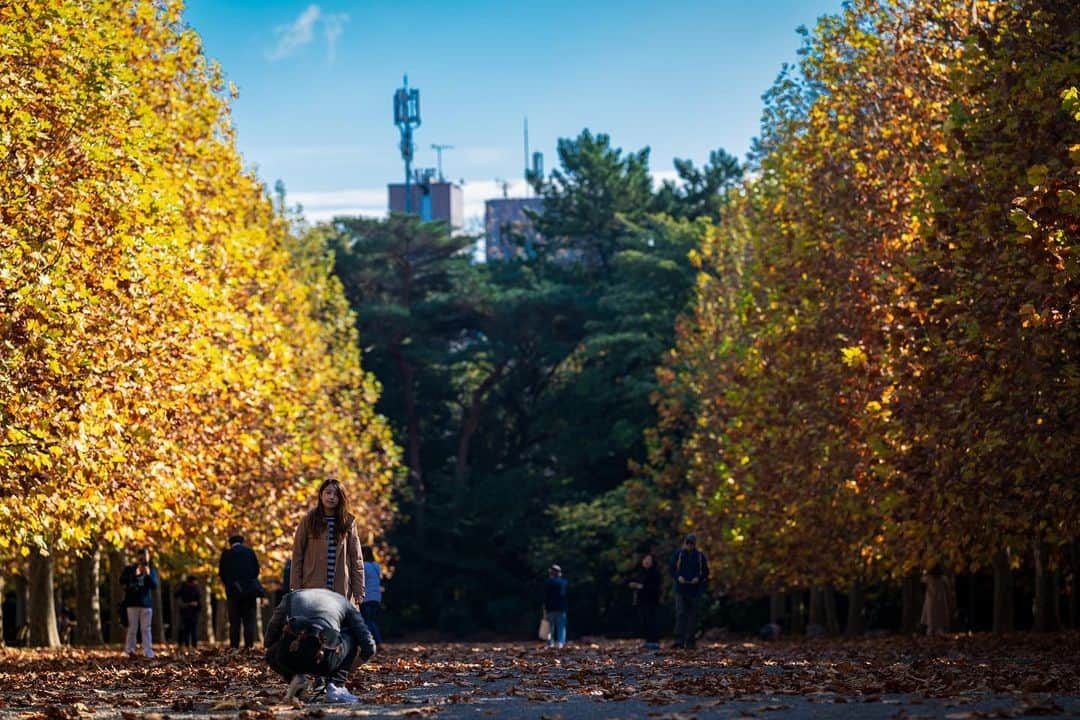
(327, 606)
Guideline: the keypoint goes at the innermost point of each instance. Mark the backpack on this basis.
(308, 646)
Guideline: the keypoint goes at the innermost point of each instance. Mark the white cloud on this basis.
(333, 26)
(301, 32)
(319, 206)
(297, 34)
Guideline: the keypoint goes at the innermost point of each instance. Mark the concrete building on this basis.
(508, 231)
(433, 200)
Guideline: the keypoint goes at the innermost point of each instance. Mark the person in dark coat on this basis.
(188, 598)
(555, 606)
(690, 570)
(325, 609)
(646, 585)
(239, 573)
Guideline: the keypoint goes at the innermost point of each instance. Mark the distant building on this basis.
(433, 200)
(508, 231)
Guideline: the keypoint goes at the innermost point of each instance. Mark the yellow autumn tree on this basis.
(173, 365)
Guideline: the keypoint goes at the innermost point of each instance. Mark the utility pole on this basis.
(407, 118)
(438, 154)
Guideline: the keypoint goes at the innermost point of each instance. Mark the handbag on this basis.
(249, 588)
(544, 633)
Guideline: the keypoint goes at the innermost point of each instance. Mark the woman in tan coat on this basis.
(326, 549)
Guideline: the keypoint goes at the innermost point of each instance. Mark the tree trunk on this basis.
(832, 616)
(43, 631)
(1074, 585)
(910, 607)
(259, 605)
(1055, 599)
(87, 601)
(776, 608)
(206, 616)
(412, 424)
(468, 430)
(817, 607)
(1044, 617)
(116, 595)
(22, 604)
(798, 613)
(174, 620)
(221, 617)
(972, 606)
(1003, 593)
(157, 619)
(856, 618)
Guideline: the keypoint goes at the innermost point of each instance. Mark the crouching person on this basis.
(314, 635)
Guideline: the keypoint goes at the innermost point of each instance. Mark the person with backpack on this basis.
(326, 547)
(239, 573)
(690, 570)
(317, 634)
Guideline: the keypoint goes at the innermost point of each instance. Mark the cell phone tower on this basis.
(407, 118)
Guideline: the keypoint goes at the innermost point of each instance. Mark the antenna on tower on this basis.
(438, 154)
(526, 134)
(407, 117)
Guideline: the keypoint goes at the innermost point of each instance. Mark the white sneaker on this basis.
(335, 694)
(297, 685)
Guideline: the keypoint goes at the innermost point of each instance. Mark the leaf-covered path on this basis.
(897, 678)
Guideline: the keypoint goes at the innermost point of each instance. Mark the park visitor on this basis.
(646, 586)
(239, 573)
(372, 593)
(315, 635)
(555, 606)
(326, 547)
(936, 603)
(188, 599)
(139, 581)
(690, 570)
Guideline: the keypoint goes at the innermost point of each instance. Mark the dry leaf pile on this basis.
(77, 684)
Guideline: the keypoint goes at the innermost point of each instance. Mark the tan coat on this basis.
(309, 562)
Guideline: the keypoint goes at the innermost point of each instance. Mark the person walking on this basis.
(690, 570)
(326, 547)
(239, 573)
(372, 594)
(139, 581)
(555, 606)
(188, 597)
(937, 603)
(646, 586)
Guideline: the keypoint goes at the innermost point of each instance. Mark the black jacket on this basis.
(188, 593)
(138, 589)
(649, 594)
(239, 571)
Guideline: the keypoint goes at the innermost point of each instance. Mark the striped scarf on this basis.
(331, 551)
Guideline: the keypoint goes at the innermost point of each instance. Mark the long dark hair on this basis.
(315, 519)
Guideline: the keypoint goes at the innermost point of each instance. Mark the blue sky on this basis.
(316, 81)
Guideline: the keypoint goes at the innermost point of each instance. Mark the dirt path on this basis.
(1024, 676)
